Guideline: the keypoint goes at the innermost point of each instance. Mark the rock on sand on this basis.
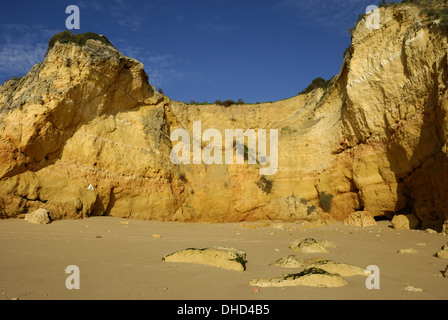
(291, 262)
(225, 258)
(360, 219)
(405, 222)
(312, 246)
(312, 277)
(343, 269)
(445, 273)
(40, 216)
(443, 254)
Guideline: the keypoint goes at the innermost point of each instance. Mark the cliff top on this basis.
(79, 39)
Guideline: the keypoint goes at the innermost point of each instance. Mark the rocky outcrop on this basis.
(86, 116)
(376, 141)
(397, 138)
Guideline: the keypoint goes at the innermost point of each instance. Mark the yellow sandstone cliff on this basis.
(375, 142)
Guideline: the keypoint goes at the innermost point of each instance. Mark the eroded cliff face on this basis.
(85, 116)
(394, 122)
(375, 141)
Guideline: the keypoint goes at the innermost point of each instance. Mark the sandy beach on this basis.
(121, 259)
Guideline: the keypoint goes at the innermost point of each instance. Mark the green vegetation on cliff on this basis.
(80, 39)
(433, 10)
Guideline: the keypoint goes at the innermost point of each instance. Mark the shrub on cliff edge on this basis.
(80, 39)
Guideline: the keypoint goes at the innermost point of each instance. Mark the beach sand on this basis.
(121, 259)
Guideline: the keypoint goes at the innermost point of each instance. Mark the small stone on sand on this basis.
(413, 289)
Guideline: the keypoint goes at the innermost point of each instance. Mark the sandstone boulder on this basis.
(343, 269)
(360, 219)
(291, 262)
(40, 216)
(405, 222)
(312, 277)
(225, 258)
(310, 245)
(443, 254)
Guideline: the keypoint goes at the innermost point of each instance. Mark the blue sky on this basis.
(203, 50)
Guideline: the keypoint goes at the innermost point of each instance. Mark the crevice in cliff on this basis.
(414, 170)
(111, 203)
(33, 200)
